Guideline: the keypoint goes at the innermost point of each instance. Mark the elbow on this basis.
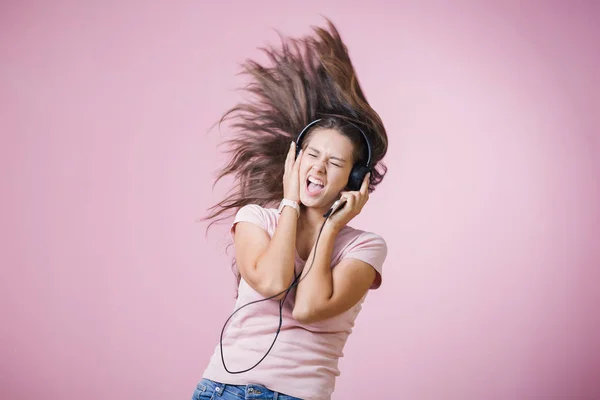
(277, 294)
(272, 290)
(304, 315)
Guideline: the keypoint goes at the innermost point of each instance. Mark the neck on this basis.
(311, 219)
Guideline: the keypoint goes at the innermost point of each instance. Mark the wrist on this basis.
(289, 203)
(332, 227)
(292, 198)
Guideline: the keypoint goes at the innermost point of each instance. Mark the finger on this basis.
(364, 188)
(348, 196)
(350, 199)
(290, 156)
(298, 160)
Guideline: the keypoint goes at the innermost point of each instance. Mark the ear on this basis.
(357, 175)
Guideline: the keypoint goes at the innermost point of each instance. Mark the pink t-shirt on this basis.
(304, 360)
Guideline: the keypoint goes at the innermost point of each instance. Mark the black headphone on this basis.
(359, 171)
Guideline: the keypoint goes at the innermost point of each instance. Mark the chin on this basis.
(307, 201)
(314, 202)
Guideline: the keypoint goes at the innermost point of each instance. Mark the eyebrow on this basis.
(332, 157)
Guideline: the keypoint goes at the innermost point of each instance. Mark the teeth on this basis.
(316, 181)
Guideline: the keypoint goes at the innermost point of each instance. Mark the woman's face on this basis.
(326, 164)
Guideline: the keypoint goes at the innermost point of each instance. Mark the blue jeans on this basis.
(211, 390)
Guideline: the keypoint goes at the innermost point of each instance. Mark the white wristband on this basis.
(291, 203)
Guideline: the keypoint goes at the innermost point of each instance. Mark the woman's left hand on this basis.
(355, 201)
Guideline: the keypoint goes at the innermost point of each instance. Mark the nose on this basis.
(318, 166)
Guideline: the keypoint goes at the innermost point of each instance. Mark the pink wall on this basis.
(110, 290)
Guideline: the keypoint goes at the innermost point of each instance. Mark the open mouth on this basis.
(314, 186)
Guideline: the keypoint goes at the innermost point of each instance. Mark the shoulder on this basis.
(265, 218)
(368, 247)
(353, 239)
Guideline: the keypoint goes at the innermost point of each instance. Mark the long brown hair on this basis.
(309, 77)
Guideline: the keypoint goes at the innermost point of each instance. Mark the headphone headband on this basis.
(307, 127)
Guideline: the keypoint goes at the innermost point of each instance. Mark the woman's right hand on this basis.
(291, 175)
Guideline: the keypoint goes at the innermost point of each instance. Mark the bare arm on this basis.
(322, 292)
(267, 264)
(325, 292)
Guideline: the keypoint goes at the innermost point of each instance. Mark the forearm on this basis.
(316, 284)
(276, 265)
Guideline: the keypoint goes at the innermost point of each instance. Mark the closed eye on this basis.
(313, 153)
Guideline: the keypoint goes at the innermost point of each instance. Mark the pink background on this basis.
(111, 290)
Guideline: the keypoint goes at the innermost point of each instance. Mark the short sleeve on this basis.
(372, 249)
(252, 213)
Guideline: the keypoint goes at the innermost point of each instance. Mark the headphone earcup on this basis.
(357, 175)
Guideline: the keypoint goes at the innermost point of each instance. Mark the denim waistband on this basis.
(252, 391)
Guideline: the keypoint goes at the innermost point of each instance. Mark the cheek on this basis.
(303, 171)
(304, 168)
(339, 177)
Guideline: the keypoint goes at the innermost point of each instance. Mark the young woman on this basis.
(305, 275)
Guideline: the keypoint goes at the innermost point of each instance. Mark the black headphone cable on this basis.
(294, 283)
